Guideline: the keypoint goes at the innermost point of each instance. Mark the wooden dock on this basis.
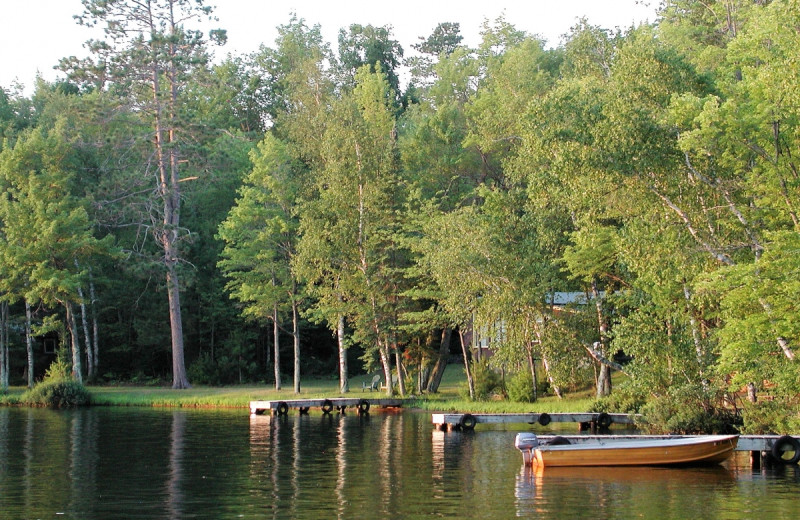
(326, 405)
(467, 421)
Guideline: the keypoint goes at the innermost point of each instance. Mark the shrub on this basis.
(620, 401)
(776, 417)
(59, 370)
(520, 387)
(57, 394)
(58, 389)
(689, 410)
(487, 382)
(205, 371)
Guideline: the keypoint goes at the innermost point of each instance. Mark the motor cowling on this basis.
(526, 443)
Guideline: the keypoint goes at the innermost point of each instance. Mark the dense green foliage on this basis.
(58, 389)
(625, 197)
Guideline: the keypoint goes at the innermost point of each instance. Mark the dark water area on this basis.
(108, 463)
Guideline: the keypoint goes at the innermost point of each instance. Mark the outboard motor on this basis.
(526, 443)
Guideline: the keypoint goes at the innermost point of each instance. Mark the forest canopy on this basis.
(625, 201)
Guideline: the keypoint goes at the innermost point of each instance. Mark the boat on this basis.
(701, 449)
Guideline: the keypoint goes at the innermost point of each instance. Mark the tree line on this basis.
(303, 209)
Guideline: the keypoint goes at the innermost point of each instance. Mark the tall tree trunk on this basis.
(169, 191)
(179, 379)
(752, 392)
(29, 341)
(276, 344)
(435, 378)
(72, 325)
(467, 371)
(296, 338)
(604, 374)
(603, 380)
(86, 336)
(95, 328)
(532, 368)
(398, 361)
(4, 346)
(344, 385)
(698, 344)
(553, 385)
(386, 364)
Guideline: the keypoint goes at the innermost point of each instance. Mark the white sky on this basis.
(37, 33)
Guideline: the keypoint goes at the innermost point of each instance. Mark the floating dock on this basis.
(326, 405)
(455, 421)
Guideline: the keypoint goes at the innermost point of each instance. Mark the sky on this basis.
(37, 33)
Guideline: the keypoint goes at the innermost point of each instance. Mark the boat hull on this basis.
(709, 449)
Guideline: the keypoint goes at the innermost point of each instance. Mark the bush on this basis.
(487, 382)
(205, 371)
(689, 410)
(770, 417)
(520, 387)
(57, 394)
(620, 401)
(58, 389)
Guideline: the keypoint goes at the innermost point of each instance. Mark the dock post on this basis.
(755, 459)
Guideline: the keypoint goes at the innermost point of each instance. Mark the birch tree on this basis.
(348, 244)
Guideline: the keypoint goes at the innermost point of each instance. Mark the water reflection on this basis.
(83, 459)
(341, 466)
(161, 464)
(174, 493)
(617, 492)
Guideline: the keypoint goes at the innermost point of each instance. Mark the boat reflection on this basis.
(538, 488)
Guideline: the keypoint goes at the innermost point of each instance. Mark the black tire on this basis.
(603, 420)
(786, 450)
(363, 406)
(327, 406)
(544, 419)
(467, 422)
(303, 410)
(283, 408)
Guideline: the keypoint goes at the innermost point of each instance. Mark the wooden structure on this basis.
(326, 405)
(763, 448)
(701, 449)
(455, 421)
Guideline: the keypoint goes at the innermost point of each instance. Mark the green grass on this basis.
(448, 399)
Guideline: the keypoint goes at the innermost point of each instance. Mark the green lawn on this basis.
(448, 398)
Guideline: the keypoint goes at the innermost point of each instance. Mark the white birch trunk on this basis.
(29, 342)
(296, 338)
(276, 344)
(72, 325)
(344, 385)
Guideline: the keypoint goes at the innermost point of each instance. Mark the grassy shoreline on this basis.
(448, 399)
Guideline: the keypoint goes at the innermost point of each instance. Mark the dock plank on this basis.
(455, 419)
(259, 407)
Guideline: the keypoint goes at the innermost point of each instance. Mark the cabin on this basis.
(482, 339)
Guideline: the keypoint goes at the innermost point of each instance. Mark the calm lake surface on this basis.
(108, 463)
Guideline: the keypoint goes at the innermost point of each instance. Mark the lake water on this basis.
(110, 463)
